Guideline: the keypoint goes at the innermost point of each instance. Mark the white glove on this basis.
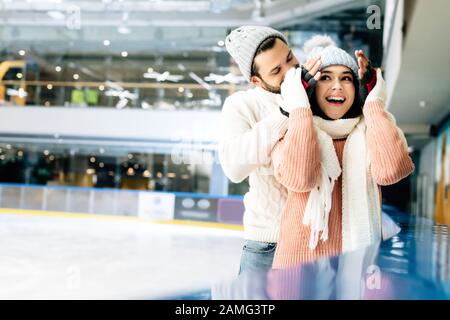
(379, 91)
(292, 91)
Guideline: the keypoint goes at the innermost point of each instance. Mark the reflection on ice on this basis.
(411, 265)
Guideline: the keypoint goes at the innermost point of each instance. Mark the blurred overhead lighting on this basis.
(123, 29)
(259, 13)
(165, 76)
(122, 103)
(230, 78)
(124, 54)
(57, 15)
(22, 52)
(58, 69)
(200, 81)
(146, 174)
(106, 42)
(21, 93)
(145, 105)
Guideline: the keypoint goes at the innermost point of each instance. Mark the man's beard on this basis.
(270, 88)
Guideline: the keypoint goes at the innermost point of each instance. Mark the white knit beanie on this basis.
(330, 54)
(243, 42)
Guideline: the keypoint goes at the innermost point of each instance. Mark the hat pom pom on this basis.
(320, 40)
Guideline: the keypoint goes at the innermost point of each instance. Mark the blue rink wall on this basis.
(154, 205)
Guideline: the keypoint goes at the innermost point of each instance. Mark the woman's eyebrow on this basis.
(344, 72)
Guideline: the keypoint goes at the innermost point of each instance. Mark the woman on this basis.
(339, 148)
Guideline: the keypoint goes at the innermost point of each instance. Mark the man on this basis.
(251, 124)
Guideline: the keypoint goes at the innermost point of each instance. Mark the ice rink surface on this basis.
(63, 257)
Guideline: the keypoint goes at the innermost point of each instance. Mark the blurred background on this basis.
(112, 107)
(126, 94)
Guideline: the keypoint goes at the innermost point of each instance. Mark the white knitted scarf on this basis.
(361, 208)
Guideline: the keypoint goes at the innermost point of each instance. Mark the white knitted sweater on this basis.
(251, 125)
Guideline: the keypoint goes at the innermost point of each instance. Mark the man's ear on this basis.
(256, 81)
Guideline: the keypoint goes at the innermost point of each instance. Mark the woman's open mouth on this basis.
(336, 101)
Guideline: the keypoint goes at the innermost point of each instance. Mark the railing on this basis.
(141, 95)
(145, 204)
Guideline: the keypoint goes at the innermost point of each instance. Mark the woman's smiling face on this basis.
(335, 91)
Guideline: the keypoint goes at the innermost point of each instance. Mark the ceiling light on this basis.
(123, 29)
(259, 13)
(58, 69)
(106, 42)
(49, 86)
(22, 52)
(124, 54)
(146, 174)
(220, 43)
(76, 76)
(57, 15)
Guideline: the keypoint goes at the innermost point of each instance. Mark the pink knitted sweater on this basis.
(296, 159)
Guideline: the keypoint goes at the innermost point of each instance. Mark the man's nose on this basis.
(284, 69)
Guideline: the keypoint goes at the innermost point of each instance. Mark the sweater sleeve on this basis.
(296, 157)
(387, 147)
(242, 146)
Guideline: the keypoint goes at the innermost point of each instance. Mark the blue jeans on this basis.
(257, 256)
